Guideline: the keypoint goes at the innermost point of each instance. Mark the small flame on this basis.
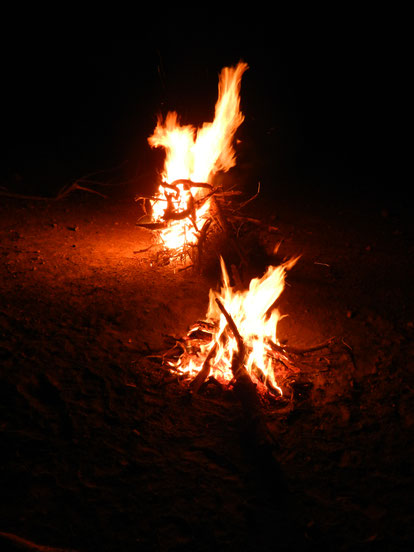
(196, 155)
(256, 320)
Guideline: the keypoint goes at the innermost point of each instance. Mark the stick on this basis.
(63, 193)
(152, 225)
(146, 249)
(205, 370)
(350, 352)
(188, 183)
(252, 198)
(295, 350)
(24, 544)
(254, 221)
(233, 327)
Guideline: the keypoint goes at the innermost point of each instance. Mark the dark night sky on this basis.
(318, 99)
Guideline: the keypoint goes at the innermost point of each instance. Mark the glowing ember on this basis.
(256, 321)
(193, 157)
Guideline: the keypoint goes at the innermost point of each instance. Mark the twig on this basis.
(24, 544)
(62, 193)
(252, 198)
(152, 225)
(205, 370)
(254, 221)
(185, 268)
(233, 327)
(146, 249)
(350, 352)
(68, 188)
(76, 186)
(188, 183)
(296, 351)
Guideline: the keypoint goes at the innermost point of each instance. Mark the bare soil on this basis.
(98, 453)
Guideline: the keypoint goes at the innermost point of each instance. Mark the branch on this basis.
(232, 325)
(62, 193)
(252, 198)
(24, 544)
(296, 351)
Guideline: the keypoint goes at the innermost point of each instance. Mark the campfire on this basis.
(237, 344)
(187, 204)
(239, 332)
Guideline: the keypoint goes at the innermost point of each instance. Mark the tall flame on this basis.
(197, 154)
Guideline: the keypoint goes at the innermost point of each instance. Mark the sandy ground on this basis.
(99, 454)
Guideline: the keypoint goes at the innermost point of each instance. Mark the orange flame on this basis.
(256, 320)
(196, 155)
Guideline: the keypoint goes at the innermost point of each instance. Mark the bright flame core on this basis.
(255, 320)
(196, 155)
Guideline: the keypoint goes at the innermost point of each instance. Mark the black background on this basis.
(321, 99)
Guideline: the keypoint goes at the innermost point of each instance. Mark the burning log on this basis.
(238, 364)
(205, 370)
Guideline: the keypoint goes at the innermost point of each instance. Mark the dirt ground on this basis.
(98, 453)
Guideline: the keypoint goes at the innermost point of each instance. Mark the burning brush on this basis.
(187, 205)
(237, 342)
(239, 333)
